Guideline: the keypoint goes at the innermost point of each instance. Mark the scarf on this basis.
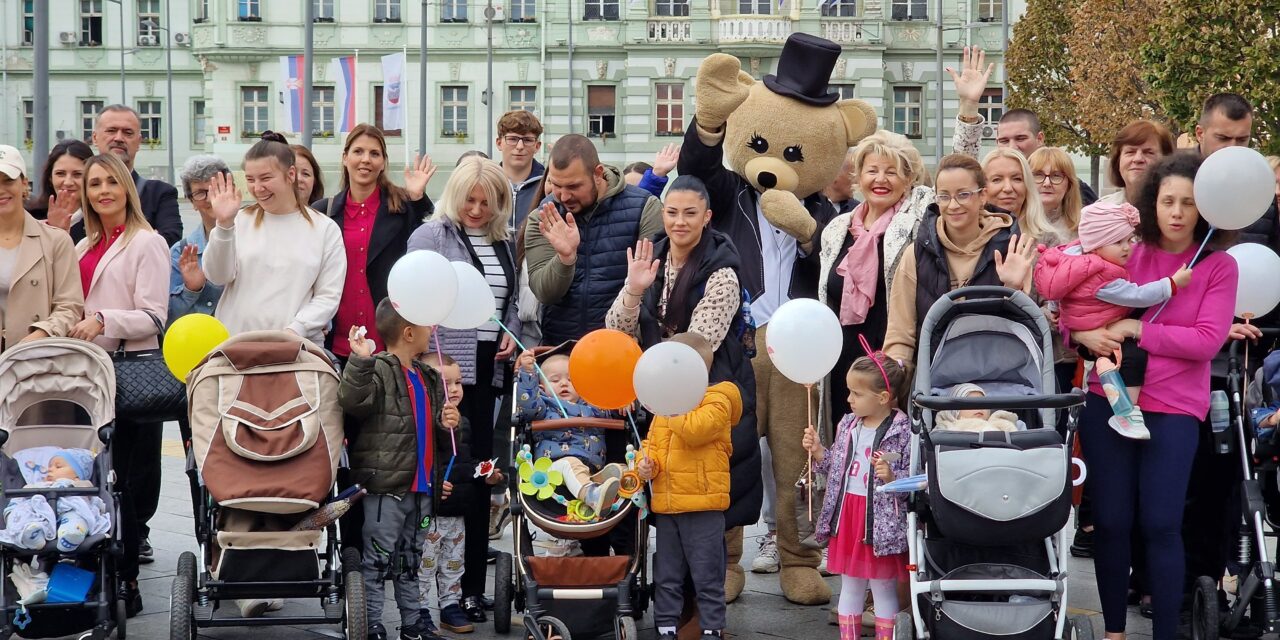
(861, 266)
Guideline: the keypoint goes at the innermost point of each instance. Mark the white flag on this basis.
(392, 96)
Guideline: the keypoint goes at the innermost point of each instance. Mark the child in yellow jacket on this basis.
(687, 459)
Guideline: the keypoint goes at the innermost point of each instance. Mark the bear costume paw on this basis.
(722, 87)
(804, 585)
(785, 211)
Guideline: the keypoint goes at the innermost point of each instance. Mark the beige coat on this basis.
(45, 291)
(131, 280)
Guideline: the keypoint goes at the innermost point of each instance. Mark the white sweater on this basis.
(286, 273)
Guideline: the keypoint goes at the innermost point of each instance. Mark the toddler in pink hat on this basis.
(1089, 281)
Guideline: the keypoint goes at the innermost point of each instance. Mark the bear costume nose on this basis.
(767, 180)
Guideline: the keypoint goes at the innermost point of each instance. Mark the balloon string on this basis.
(453, 440)
(634, 431)
(559, 405)
(1247, 317)
(449, 468)
(808, 416)
(1192, 264)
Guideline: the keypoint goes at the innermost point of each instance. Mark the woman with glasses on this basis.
(958, 244)
(189, 292)
(1054, 177)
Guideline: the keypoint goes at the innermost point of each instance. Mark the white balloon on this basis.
(1258, 289)
(804, 339)
(474, 305)
(1234, 187)
(423, 287)
(670, 379)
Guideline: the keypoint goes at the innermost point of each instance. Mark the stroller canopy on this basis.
(63, 369)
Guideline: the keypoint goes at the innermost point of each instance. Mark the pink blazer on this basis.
(132, 279)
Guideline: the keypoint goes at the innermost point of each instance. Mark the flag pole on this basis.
(355, 88)
(404, 93)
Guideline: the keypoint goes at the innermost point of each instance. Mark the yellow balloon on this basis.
(189, 340)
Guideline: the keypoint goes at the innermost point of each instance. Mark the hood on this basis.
(614, 184)
(734, 395)
(991, 224)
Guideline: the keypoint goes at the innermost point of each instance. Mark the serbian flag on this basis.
(343, 72)
(393, 91)
(291, 77)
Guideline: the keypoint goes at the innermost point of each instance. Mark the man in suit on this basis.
(118, 130)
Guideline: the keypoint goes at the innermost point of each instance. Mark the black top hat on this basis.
(804, 69)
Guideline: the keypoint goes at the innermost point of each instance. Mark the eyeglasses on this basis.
(198, 196)
(945, 199)
(1055, 179)
(515, 141)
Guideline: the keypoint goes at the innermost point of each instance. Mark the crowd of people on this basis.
(655, 251)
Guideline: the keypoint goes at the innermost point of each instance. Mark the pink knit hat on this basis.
(1102, 224)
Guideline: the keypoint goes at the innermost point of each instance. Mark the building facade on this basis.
(627, 80)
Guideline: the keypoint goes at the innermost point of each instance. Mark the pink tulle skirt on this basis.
(847, 555)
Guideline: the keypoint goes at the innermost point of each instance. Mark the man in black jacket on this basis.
(118, 130)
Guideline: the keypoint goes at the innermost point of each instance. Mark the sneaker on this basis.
(1132, 426)
(424, 618)
(486, 602)
(611, 470)
(377, 631)
(601, 496)
(766, 561)
(491, 556)
(474, 610)
(132, 599)
(1082, 544)
(499, 516)
(420, 631)
(717, 635)
(146, 555)
(252, 608)
(822, 566)
(453, 618)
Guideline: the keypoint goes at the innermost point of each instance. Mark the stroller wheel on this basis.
(551, 629)
(1079, 628)
(1204, 610)
(624, 628)
(502, 593)
(903, 626)
(182, 621)
(355, 621)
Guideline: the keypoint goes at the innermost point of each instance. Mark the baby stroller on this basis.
(536, 585)
(266, 438)
(987, 555)
(59, 392)
(1256, 607)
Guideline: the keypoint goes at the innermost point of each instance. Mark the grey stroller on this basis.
(987, 555)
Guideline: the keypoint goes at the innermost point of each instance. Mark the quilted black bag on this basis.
(145, 390)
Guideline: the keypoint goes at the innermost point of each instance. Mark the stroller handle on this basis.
(1233, 350)
(981, 291)
(1052, 401)
(578, 423)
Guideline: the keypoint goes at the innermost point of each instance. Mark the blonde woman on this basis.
(1009, 189)
(124, 270)
(860, 250)
(1054, 178)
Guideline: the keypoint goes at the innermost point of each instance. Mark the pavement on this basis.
(761, 612)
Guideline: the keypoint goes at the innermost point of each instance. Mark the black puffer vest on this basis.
(933, 273)
(729, 363)
(601, 268)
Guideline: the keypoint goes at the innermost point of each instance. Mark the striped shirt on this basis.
(495, 276)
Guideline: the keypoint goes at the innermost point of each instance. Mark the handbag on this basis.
(145, 389)
(806, 527)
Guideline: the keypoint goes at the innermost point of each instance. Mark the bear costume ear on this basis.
(859, 120)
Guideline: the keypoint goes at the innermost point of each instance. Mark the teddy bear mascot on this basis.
(785, 139)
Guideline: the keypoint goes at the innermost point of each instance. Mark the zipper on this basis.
(754, 231)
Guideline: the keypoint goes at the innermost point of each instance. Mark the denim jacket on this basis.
(532, 404)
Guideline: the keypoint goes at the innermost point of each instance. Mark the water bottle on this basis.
(1113, 386)
(1219, 421)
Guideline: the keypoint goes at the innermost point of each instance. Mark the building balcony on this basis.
(850, 32)
(670, 30)
(765, 29)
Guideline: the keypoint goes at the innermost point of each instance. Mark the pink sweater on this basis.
(1190, 331)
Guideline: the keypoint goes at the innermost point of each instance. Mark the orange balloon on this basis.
(601, 366)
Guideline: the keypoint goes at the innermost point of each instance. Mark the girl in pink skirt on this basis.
(866, 531)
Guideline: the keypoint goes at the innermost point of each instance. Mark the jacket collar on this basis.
(114, 250)
(535, 176)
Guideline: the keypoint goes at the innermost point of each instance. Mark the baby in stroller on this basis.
(574, 452)
(30, 523)
(1266, 416)
(977, 420)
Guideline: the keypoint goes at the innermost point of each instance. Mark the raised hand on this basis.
(189, 266)
(61, 206)
(665, 161)
(418, 174)
(972, 79)
(1015, 268)
(224, 200)
(561, 233)
(526, 361)
(360, 345)
(642, 269)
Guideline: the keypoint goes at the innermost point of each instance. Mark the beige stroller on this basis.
(266, 441)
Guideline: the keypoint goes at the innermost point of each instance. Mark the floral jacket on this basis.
(887, 512)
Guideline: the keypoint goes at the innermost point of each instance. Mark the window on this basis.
(253, 111)
(453, 112)
(28, 120)
(845, 91)
(323, 10)
(199, 123)
(453, 11)
(910, 9)
(148, 23)
(250, 10)
(90, 23)
(907, 108)
(322, 111)
(840, 8)
(88, 117)
(149, 115)
(525, 98)
(671, 7)
(28, 22)
(670, 116)
(601, 110)
(522, 11)
(377, 112)
(990, 10)
(991, 107)
(202, 12)
(755, 7)
(386, 10)
(602, 10)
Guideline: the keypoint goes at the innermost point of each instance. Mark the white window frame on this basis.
(91, 10)
(455, 110)
(991, 107)
(846, 90)
(671, 8)
(149, 23)
(387, 11)
(377, 113)
(596, 122)
(28, 119)
(606, 10)
(453, 11)
(522, 101)
(522, 11)
(199, 122)
(202, 11)
(89, 117)
(755, 7)
(151, 121)
(990, 10)
(249, 10)
(839, 8)
(673, 123)
(324, 111)
(324, 10)
(913, 111)
(901, 10)
(260, 103)
(28, 18)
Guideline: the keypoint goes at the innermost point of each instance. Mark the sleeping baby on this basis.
(29, 523)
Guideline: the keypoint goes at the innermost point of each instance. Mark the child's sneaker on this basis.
(420, 630)
(454, 619)
(600, 496)
(766, 561)
(611, 470)
(377, 631)
(1132, 426)
(424, 618)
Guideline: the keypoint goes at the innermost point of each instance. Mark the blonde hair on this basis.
(497, 190)
(1031, 219)
(895, 147)
(1049, 159)
(134, 221)
(1273, 162)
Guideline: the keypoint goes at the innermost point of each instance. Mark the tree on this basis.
(1200, 48)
